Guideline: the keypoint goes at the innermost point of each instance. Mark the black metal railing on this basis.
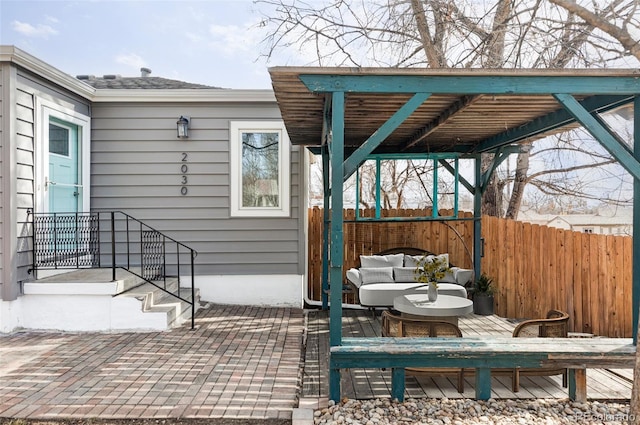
(116, 240)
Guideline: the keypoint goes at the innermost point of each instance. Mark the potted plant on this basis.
(429, 270)
(483, 295)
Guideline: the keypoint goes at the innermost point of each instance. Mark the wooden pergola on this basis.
(349, 114)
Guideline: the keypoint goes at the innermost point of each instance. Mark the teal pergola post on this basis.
(337, 254)
(325, 228)
(477, 218)
(635, 304)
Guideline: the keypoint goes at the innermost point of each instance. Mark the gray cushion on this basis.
(391, 260)
(404, 274)
(376, 275)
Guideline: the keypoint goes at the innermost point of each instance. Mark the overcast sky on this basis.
(213, 42)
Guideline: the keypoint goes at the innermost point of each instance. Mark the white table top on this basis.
(445, 305)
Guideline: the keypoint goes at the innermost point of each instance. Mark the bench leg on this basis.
(397, 383)
(483, 383)
(334, 385)
(578, 385)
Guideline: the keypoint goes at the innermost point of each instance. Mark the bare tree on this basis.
(447, 33)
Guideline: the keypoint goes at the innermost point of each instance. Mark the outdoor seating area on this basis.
(381, 277)
(367, 383)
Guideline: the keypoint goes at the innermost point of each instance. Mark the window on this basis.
(588, 229)
(259, 169)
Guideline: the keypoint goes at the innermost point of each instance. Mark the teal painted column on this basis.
(337, 254)
(477, 219)
(325, 228)
(635, 304)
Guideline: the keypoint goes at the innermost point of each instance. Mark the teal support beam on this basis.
(483, 383)
(571, 383)
(325, 227)
(397, 383)
(361, 154)
(456, 184)
(635, 304)
(337, 254)
(434, 209)
(471, 85)
(498, 159)
(378, 188)
(477, 220)
(358, 193)
(601, 133)
(460, 178)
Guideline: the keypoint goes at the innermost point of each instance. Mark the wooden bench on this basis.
(482, 354)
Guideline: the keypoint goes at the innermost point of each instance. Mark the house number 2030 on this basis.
(184, 169)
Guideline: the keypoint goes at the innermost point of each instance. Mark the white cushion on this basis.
(376, 275)
(353, 275)
(404, 274)
(391, 260)
(382, 294)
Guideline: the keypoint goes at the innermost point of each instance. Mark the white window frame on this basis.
(236, 128)
(45, 110)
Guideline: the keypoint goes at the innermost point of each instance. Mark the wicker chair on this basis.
(556, 324)
(397, 326)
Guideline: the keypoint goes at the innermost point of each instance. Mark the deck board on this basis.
(376, 383)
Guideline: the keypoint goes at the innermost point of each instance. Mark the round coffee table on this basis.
(446, 308)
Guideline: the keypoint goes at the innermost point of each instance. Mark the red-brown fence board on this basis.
(535, 268)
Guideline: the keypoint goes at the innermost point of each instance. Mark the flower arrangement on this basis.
(431, 269)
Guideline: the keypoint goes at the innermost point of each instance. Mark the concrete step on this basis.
(155, 300)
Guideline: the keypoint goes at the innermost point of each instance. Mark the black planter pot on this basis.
(483, 304)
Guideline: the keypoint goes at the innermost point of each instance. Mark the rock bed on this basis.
(466, 411)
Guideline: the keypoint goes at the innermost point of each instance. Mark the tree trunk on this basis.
(519, 181)
(492, 197)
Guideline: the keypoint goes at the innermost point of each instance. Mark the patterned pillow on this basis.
(404, 274)
(376, 275)
(391, 260)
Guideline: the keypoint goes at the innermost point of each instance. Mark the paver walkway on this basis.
(240, 362)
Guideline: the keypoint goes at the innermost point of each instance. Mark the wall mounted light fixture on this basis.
(183, 127)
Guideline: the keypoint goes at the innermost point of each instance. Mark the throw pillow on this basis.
(376, 275)
(412, 260)
(404, 274)
(371, 261)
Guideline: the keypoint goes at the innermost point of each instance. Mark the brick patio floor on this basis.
(240, 362)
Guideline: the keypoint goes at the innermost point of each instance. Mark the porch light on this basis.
(183, 127)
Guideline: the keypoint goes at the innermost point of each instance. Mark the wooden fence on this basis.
(535, 268)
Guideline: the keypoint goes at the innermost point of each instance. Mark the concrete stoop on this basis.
(86, 300)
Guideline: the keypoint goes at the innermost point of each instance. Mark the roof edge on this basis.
(184, 95)
(23, 59)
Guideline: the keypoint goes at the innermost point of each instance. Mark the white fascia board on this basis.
(184, 95)
(21, 58)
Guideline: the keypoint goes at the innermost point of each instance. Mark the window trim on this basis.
(236, 128)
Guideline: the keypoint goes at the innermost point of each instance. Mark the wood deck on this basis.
(375, 383)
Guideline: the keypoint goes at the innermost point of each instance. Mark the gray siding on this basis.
(136, 160)
(27, 88)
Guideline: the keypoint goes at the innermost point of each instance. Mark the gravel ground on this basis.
(466, 411)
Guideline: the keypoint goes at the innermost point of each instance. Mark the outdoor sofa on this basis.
(388, 274)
